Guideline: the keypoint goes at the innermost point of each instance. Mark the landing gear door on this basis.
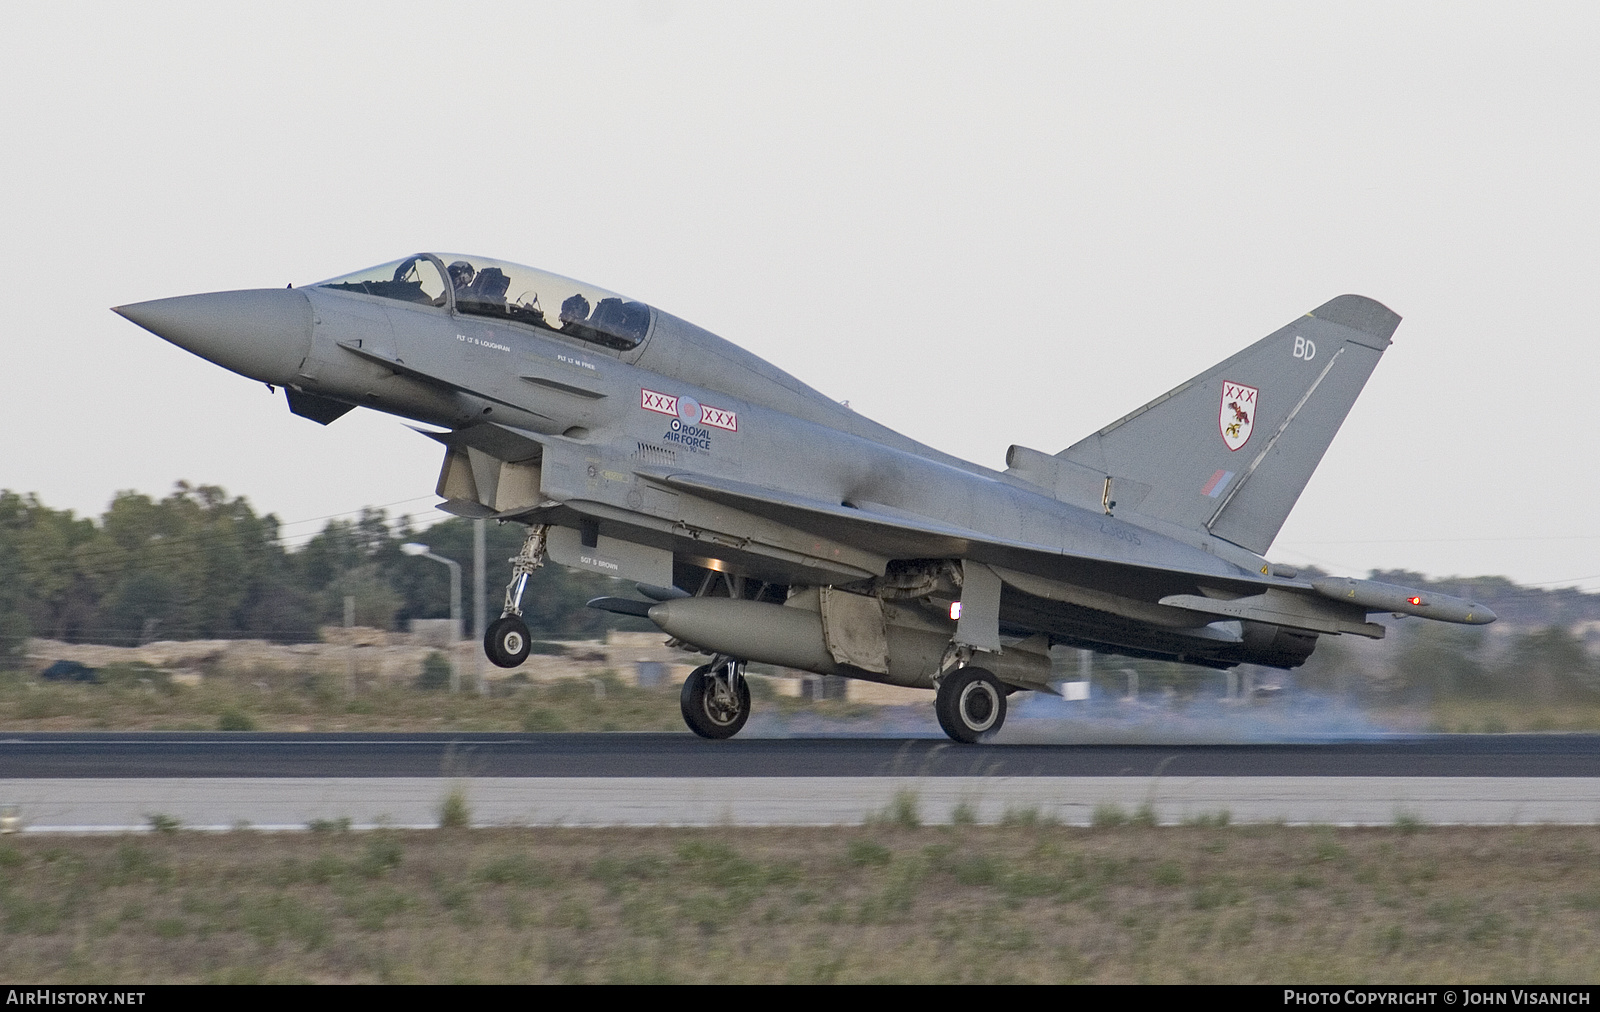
(979, 624)
(597, 553)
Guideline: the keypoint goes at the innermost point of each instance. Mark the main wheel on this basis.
(506, 641)
(970, 703)
(710, 707)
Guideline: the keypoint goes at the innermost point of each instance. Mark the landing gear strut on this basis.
(506, 641)
(716, 699)
(970, 703)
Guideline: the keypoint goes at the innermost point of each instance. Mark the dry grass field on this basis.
(138, 699)
(587, 697)
(369, 684)
(893, 901)
(1498, 716)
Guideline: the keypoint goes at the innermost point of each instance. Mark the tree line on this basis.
(200, 564)
(1537, 651)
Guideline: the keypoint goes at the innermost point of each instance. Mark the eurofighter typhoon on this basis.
(761, 521)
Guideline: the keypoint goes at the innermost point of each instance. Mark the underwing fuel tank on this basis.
(767, 633)
(793, 637)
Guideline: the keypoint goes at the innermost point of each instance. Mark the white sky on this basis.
(981, 224)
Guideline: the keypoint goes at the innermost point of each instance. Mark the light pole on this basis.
(412, 548)
(478, 603)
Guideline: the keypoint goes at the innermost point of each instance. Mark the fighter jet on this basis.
(762, 521)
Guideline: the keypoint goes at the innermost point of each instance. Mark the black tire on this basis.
(710, 715)
(506, 641)
(971, 704)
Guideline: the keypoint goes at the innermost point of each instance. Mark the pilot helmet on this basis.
(575, 309)
(461, 273)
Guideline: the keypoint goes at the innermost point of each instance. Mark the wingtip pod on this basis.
(1375, 596)
(1358, 312)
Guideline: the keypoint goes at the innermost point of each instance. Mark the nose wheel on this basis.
(970, 704)
(506, 641)
(716, 700)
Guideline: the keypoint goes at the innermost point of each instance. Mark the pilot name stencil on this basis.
(1238, 414)
(481, 342)
(580, 363)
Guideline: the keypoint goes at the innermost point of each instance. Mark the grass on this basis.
(275, 700)
(307, 700)
(136, 697)
(891, 902)
(904, 810)
(1498, 716)
(453, 810)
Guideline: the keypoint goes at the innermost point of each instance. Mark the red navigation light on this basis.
(1414, 600)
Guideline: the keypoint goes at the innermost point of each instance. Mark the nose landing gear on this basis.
(506, 641)
(716, 699)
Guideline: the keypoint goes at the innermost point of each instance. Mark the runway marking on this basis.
(121, 805)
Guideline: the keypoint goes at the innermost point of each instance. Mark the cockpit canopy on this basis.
(483, 287)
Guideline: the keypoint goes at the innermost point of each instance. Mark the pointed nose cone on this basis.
(263, 333)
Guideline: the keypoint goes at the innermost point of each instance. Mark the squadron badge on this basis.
(1238, 415)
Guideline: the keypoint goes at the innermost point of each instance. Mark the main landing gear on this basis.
(506, 641)
(970, 703)
(716, 699)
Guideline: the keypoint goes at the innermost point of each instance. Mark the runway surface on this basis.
(112, 755)
(88, 805)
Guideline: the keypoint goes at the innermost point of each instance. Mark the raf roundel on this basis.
(1237, 414)
(688, 410)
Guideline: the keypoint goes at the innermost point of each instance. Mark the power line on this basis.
(1573, 580)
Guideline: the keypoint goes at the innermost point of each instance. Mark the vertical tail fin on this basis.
(1230, 450)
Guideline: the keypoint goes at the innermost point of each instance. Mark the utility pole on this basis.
(350, 643)
(478, 603)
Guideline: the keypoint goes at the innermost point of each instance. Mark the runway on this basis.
(116, 782)
(221, 803)
(256, 755)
